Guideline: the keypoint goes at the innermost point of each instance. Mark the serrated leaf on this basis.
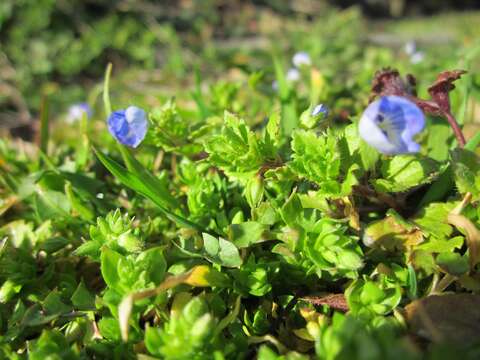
(466, 168)
(318, 159)
(404, 172)
(433, 219)
(392, 233)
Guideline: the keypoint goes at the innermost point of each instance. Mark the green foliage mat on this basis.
(244, 227)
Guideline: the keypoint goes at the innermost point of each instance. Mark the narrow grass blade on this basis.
(142, 185)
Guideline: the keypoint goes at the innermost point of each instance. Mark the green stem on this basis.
(108, 109)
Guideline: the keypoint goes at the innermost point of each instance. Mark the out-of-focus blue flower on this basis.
(77, 111)
(410, 47)
(417, 57)
(293, 75)
(390, 123)
(128, 126)
(301, 59)
(320, 109)
(275, 85)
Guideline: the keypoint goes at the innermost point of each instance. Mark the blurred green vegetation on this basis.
(60, 48)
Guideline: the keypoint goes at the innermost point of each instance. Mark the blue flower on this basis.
(320, 109)
(128, 126)
(77, 111)
(301, 59)
(293, 75)
(411, 47)
(417, 57)
(390, 123)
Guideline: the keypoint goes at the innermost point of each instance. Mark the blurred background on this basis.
(58, 49)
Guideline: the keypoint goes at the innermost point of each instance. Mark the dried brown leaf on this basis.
(449, 317)
(335, 301)
(472, 235)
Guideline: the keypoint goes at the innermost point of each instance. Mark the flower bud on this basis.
(310, 117)
(254, 191)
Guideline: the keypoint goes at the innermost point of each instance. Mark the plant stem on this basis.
(456, 129)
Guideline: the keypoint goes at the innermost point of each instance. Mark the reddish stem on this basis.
(456, 129)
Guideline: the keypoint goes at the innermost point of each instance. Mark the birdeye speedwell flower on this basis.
(128, 126)
(293, 75)
(301, 59)
(77, 111)
(390, 123)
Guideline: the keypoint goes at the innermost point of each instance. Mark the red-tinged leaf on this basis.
(439, 91)
(388, 82)
(335, 301)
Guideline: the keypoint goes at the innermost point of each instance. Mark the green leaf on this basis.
(53, 304)
(466, 168)
(247, 233)
(153, 261)
(318, 159)
(373, 297)
(436, 245)
(229, 255)
(392, 233)
(404, 172)
(433, 219)
(86, 212)
(52, 345)
(109, 328)
(453, 263)
(211, 244)
(82, 299)
(221, 251)
(292, 210)
(237, 150)
(359, 150)
(109, 261)
(445, 182)
(144, 186)
(51, 204)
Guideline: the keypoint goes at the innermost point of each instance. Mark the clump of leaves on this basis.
(114, 231)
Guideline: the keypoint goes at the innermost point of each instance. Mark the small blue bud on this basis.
(301, 59)
(128, 126)
(311, 117)
(389, 124)
(77, 111)
(320, 109)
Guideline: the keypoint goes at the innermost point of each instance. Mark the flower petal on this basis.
(128, 126)
(389, 124)
(301, 59)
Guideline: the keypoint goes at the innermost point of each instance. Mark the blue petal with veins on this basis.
(128, 126)
(390, 123)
